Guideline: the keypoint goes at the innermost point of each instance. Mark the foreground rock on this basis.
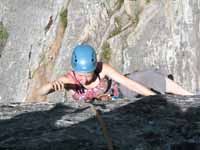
(158, 123)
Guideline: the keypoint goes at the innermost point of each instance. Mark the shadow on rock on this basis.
(151, 123)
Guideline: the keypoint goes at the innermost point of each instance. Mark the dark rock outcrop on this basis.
(158, 122)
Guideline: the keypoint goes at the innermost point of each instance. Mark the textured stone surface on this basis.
(140, 34)
(167, 36)
(157, 122)
(25, 21)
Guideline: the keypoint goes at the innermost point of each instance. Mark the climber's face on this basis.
(85, 78)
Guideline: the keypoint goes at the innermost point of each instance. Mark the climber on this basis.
(90, 79)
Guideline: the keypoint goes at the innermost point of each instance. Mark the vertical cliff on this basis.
(131, 35)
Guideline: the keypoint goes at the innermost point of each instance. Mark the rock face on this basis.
(25, 22)
(169, 38)
(157, 122)
(131, 35)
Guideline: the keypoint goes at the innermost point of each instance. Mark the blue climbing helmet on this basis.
(84, 59)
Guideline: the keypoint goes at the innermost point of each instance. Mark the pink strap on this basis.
(115, 89)
(72, 76)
